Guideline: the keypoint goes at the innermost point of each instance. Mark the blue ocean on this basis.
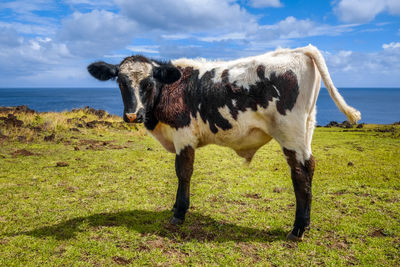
(377, 105)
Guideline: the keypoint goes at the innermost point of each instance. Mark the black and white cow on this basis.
(241, 104)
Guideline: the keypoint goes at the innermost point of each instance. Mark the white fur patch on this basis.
(136, 72)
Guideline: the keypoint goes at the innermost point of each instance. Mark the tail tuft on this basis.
(352, 114)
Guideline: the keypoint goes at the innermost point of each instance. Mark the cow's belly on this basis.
(247, 135)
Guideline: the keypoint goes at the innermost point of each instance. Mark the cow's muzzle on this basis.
(134, 117)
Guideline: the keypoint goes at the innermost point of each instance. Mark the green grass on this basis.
(111, 204)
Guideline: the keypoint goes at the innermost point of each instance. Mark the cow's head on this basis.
(139, 79)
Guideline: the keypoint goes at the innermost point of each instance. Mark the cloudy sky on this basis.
(45, 43)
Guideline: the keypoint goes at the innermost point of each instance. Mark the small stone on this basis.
(62, 164)
(350, 163)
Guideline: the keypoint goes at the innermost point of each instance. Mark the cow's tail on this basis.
(351, 113)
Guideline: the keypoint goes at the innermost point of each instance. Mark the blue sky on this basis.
(45, 43)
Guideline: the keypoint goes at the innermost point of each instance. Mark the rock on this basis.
(350, 163)
(11, 120)
(332, 124)
(62, 164)
(17, 109)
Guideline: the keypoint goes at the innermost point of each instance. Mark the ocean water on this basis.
(377, 105)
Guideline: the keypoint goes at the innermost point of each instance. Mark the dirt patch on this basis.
(98, 112)
(194, 231)
(62, 164)
(121, 260)
(17, 109)
(3, 137)
(117, 147)
(22, 152)
(344, 124)
(340, 192)
(377, 233)
(94, 124)
(278, 190)
(385, 130)
(340, 244)
(93, 142)
(49, 138)
(11, 121)
(254, 196)
(99, 145)
(249, 250)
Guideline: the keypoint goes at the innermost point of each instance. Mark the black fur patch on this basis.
(103, 71)
(191, 95)
(166, 74)
(149, 95)
(128, 94)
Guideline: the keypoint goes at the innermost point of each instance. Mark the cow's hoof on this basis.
(294, 238)
(176, 221)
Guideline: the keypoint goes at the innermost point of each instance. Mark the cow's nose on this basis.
(129, 117)
(134, 117)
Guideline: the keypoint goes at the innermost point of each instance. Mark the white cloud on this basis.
(356, 69)
(188, 15)
(223, 37)
(361, 11)
(151, 49)
(392, 45)
(265, 3)
(97, 32)
(292, 28)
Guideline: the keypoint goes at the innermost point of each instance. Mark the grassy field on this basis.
(83, 188)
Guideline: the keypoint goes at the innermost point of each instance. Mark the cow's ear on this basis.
(166, 74)
(103, 71)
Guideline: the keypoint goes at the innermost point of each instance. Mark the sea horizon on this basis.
(378, 105)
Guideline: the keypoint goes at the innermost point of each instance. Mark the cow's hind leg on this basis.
(184, 169)
(302, 172)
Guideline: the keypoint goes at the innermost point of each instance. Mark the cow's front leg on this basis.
(302, 174)
(184, 169)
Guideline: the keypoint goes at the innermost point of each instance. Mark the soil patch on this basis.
(95, 123)
(62, 164)
(17, 109)
(11, 120)
(254, 196)
(344, 124)
(49, 138)
(121, 260)
(88, 110)
(377, 233)
(22, 152)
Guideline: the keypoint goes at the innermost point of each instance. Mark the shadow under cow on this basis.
(197, 226)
